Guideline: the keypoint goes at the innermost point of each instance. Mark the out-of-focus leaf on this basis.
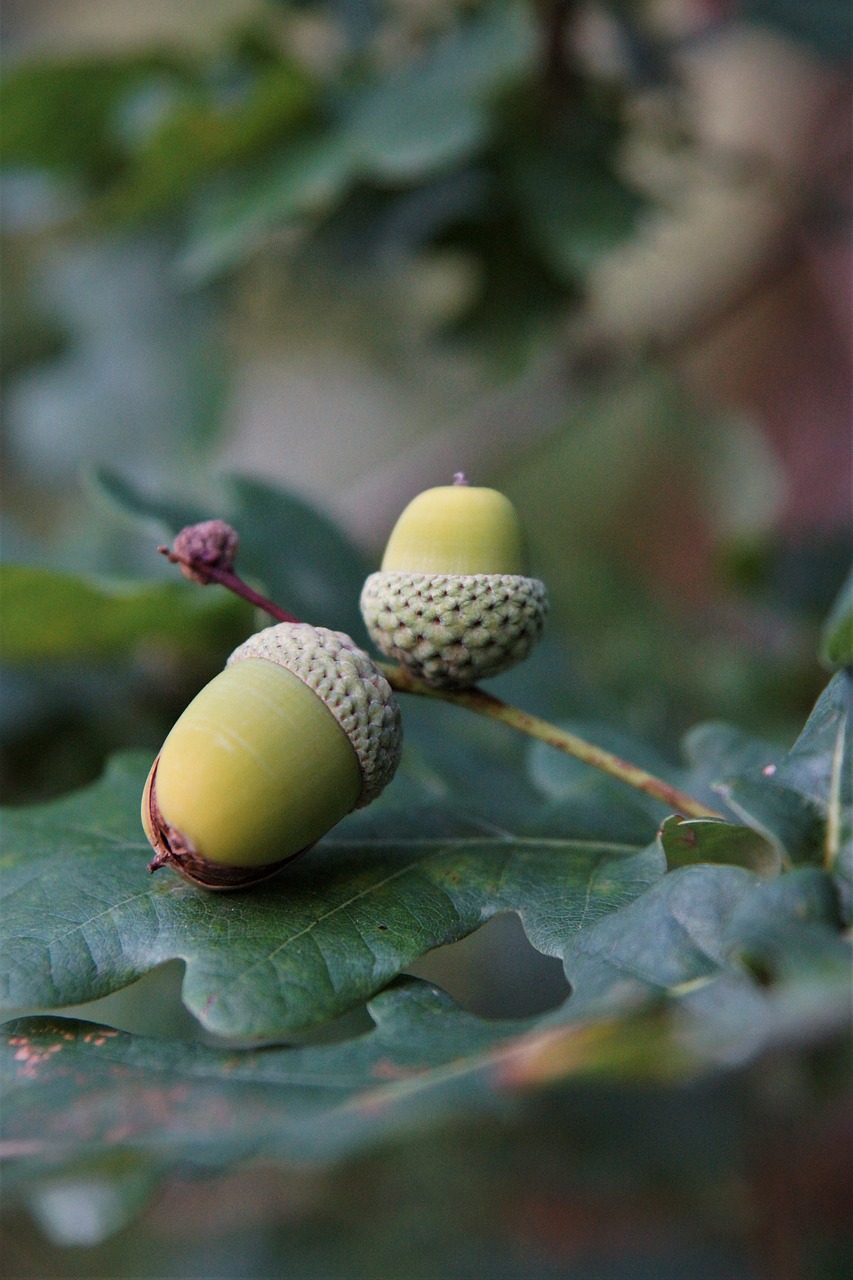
(823, 24)
(562, 777)
(303, 561)
(57, 114)
(318, 1100)
(802, 803)
(664, 988)
(302, 181)
(716, 752)
(837, 639)
(430, 114)
(205, 138)
(688, 841)
(83, 918)
(760, 926)
(517, 301)
(784, 816)
(54, 616)
(141, 380)
(571, 201)
(673, 934)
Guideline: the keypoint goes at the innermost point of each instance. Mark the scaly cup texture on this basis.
(299, 729)
(450, 602)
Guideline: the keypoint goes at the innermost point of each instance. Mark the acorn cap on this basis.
(453, 630)
(351, 686)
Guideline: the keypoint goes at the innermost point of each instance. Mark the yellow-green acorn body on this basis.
(450, 602)
(299, 729)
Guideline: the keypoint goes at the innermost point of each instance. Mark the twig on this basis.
(202, 566)
(485, 704)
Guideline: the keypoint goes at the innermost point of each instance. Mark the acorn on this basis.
(450, 602)
(298, 730)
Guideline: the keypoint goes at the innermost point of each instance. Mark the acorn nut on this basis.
(451, 603)
(299, 729)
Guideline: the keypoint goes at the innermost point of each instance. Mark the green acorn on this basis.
(451, 603)
(299, 729)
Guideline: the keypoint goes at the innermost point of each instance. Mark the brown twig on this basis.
(203, 568)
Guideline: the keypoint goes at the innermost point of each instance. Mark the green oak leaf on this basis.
(81, 917)
(201, 137)
(803, 803)
(299, 557)
(837, 639)
(318, 1100)
(661, 991)
(688, 841)
(61, 114)
(430, 114)
(49, 616)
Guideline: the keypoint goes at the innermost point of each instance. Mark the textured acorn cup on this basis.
(450, 602)
(299, 729)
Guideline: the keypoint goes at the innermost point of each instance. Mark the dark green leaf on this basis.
(428, 115)
(837, 639)
(717, 752)
(58, 114)
(54, 616)
(823, 24)
(304, 180)
(661, 986)
(82, 917)
(762, 924)
(204, 138)
(781, 814)
(802, 803)
(301, 560)
(686, 842)
(671, 935)
(308, 1096)
(573, 204)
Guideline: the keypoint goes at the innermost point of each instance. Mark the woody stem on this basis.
(485, 704)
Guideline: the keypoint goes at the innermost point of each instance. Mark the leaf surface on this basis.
(50, 616)
(82, 918)
(428, 115)
(661, 991)
(837, 638)
(802, 803)
(300, 559)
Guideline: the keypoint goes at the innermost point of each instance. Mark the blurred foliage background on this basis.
(595, 252)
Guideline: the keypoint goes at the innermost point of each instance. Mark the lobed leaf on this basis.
(688, 841)
(426, 116)
(59, 114)
(49, 616)
(661, 992)
(837, 638)
(301, 560)
(802, 803)
(82, 918)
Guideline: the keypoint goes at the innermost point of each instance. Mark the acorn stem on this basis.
(485, 704)
(230, 580)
